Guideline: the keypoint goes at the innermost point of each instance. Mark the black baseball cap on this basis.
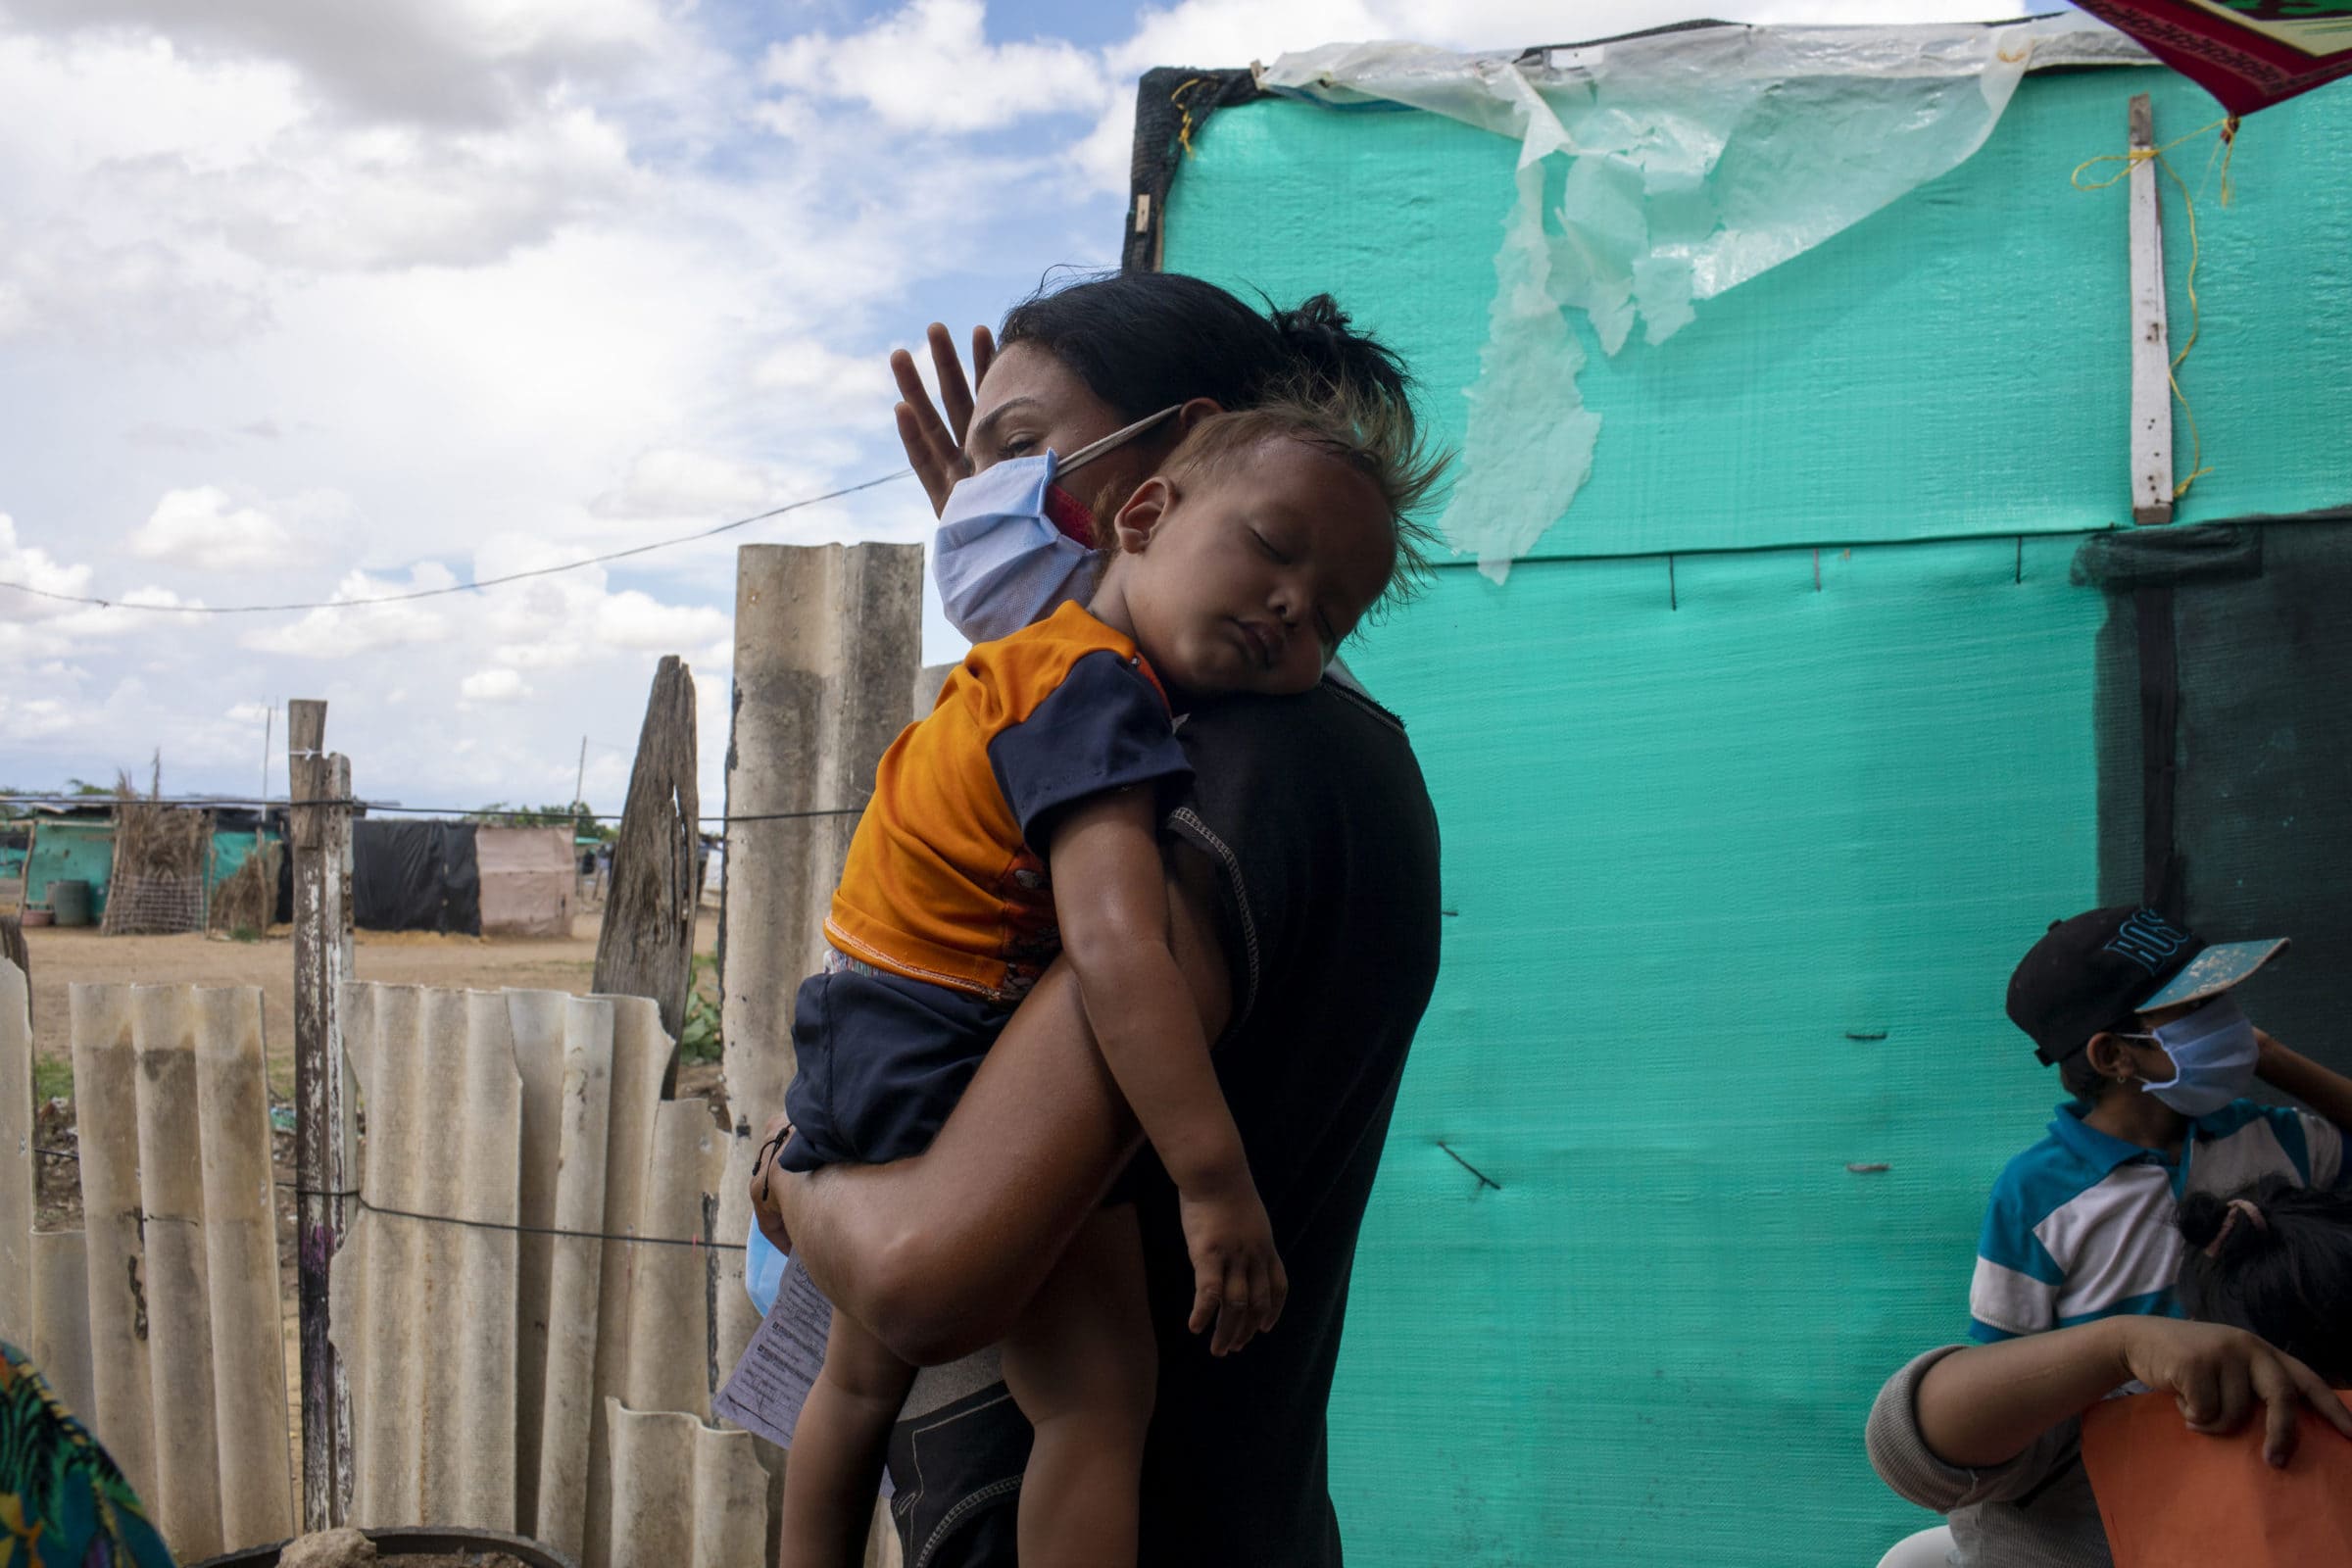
(2092, 971)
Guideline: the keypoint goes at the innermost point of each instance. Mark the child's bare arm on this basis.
(1110, 899)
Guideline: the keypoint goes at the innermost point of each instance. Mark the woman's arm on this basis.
(1982, 1405)
(939, 1254)
(2325, 1090)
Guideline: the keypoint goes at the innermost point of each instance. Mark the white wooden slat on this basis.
(2152, 336)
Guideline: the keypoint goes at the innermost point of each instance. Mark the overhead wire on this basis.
(475, 586)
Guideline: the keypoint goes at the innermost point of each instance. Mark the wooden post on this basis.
(319, 824)
(646, 947)
(2151, 338)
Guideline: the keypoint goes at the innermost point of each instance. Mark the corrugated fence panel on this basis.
(184, 1326)
(537, 1018)
(671, 1299)
(685, 1494)
(568, 1381)
(641, 1054)
(60, 1318)
(44, 1287)
(425, 1310)
(484, 1363)
(15, 1157)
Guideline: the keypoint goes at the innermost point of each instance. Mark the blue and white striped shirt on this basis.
(2080, 1225)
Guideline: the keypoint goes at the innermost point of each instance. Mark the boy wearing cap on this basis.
(2140, 1018)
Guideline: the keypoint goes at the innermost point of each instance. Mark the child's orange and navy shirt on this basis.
(946, 880)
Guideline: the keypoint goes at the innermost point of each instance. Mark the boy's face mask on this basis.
(2214, 1052)
(1013, 544)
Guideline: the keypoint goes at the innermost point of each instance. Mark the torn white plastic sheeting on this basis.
(1695, 160)
(1526, 376)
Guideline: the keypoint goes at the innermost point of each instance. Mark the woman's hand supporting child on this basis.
(1110, 899)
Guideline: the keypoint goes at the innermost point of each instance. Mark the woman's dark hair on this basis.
(2275, 1259)
(1141, 342)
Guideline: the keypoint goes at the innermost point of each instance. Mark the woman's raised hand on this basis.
(935, 445)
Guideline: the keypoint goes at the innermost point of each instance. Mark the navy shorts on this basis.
(881, 1061)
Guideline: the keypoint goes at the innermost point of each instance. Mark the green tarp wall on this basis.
(71, 852)
(231, 847)
(1740, 844)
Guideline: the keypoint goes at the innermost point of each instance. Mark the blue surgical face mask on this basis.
(2213, 1052)
(1014, 546)
(1000, 560)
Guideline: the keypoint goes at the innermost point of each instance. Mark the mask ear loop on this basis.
(1117, 438)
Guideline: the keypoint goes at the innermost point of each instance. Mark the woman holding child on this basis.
(1239, 549)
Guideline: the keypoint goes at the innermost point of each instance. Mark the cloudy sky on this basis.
(321, 299)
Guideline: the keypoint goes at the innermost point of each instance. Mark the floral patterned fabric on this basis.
(62, 1503)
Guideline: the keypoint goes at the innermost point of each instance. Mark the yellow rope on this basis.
(2131, 160)
(1184, 132)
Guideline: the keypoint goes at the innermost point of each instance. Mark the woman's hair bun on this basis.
(1326, 352)
(1318, 315)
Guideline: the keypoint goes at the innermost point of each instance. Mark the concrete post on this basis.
(827, 642)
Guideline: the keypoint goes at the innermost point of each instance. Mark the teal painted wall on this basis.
(1708, 839)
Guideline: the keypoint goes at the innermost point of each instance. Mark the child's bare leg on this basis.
(834, 1470)
(1084, 1368)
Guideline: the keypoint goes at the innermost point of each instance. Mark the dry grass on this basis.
(155, 845)
(247, 899)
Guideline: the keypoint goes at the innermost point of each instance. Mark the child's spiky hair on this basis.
(1374, 434)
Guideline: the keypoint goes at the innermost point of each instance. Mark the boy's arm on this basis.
(1112, 904)
(2325, 1090)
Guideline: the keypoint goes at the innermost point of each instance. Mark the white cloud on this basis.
(634, 620)
(930, 67)
(673, 482)
(498, 685)
(439, 289)
(202, 527)
(434, 61)
(31, 566)
(363, 628)
(33, 717)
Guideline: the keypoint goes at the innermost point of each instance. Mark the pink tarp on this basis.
(528, 881)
